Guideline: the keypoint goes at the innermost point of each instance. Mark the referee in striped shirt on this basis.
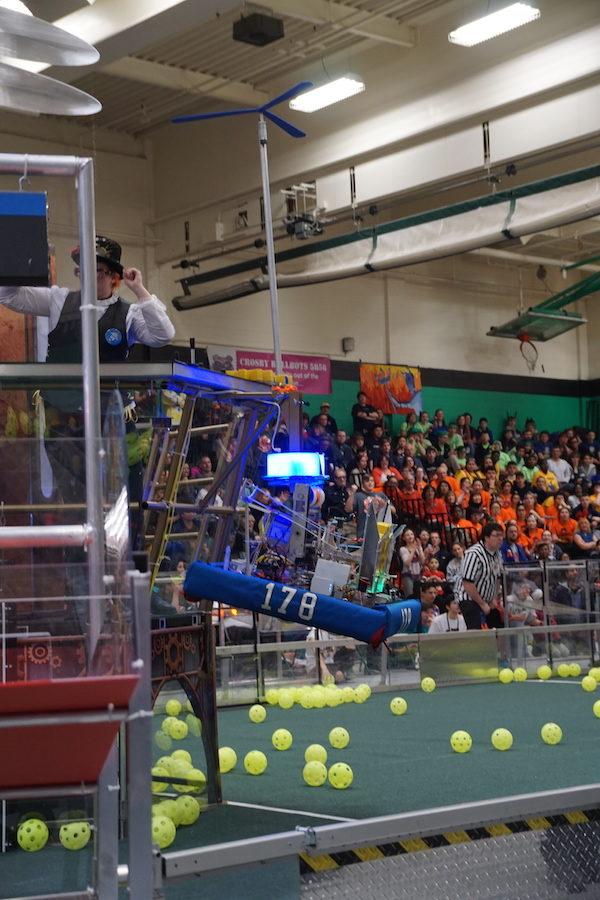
(480, 571)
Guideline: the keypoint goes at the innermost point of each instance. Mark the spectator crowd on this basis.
(446, 480)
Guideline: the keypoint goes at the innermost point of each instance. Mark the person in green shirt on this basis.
(530, 467)
(423, 425)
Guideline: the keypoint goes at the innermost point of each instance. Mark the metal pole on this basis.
(45, 535)
(139, 749)
(38, 164)
(264, 171)
(91, 393)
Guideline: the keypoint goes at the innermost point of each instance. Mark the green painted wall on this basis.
(550, 412)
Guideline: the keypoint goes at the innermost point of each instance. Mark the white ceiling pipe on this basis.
(547, 261)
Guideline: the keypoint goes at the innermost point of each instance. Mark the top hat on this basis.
(107, 251)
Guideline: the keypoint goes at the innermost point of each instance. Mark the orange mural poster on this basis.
(396, 390)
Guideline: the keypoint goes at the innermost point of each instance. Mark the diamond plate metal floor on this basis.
(555, 864)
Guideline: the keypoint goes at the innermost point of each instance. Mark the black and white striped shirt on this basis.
(483, 569)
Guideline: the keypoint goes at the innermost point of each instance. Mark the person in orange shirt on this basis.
(382, 472)
(530, 507)
(477, 518)
(432, 505)
(564, 528)
(420, 479)
(431, 571)
(464, 495)
(496, 512)
(441, 474)
(507, 513)
(505, 494)
(531, 534)
(468, 533)
(486, 497)
(520, 516)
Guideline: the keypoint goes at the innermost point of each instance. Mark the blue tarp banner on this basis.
(295, 604)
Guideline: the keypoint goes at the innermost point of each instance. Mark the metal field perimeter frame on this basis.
(134, 710)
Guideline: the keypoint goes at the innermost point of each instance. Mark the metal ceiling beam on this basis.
(120, 28)
(348, 18)
(185, 80)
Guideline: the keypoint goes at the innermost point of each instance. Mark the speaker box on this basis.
(24, 257)
(258, 29)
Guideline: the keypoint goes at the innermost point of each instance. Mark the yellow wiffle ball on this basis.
(315, 753)
(306, 699)
(574, 670)
(172, 707)
(340, 776)
(364, 691)
(159, 786)
(596, 709)
(314, 773)
(319, 698)
(544, 673)
(227, 759)
(339, 738)
(564, 670)
(506, 676)
(257, 713)
(428, 685)
(551, 733)
(589, 683)
(595, 673)
(520, 674)
(398, 706)
(461, 741)
(286, 699)
(255, 762)
(178, 730)
(182, 754)
(502, 739)
(282, 739)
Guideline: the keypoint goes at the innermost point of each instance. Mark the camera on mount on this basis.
(303, 227)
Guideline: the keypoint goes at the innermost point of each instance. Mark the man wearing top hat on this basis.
(120, 324)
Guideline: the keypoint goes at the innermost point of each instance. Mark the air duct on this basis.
(433, 235)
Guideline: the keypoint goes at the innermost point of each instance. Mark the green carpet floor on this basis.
(403, 763)
(399, 763)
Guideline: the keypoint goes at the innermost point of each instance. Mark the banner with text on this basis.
(311, 374)
(396, 390)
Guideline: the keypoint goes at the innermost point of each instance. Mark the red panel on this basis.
(59, 754)
(66, 694)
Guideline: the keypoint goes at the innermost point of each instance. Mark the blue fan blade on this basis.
(287, 95)
(286, 126)
(215, 115)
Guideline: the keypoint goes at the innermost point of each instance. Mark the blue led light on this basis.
(308, 468)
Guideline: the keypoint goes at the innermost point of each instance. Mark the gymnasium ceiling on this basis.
(161, 58)
(164, 59)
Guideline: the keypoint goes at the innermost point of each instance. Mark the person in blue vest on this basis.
(120, 324)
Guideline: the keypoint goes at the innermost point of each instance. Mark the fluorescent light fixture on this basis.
(494, 25)
(326, 94)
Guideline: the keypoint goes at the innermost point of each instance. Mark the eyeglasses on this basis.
(100, 273)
